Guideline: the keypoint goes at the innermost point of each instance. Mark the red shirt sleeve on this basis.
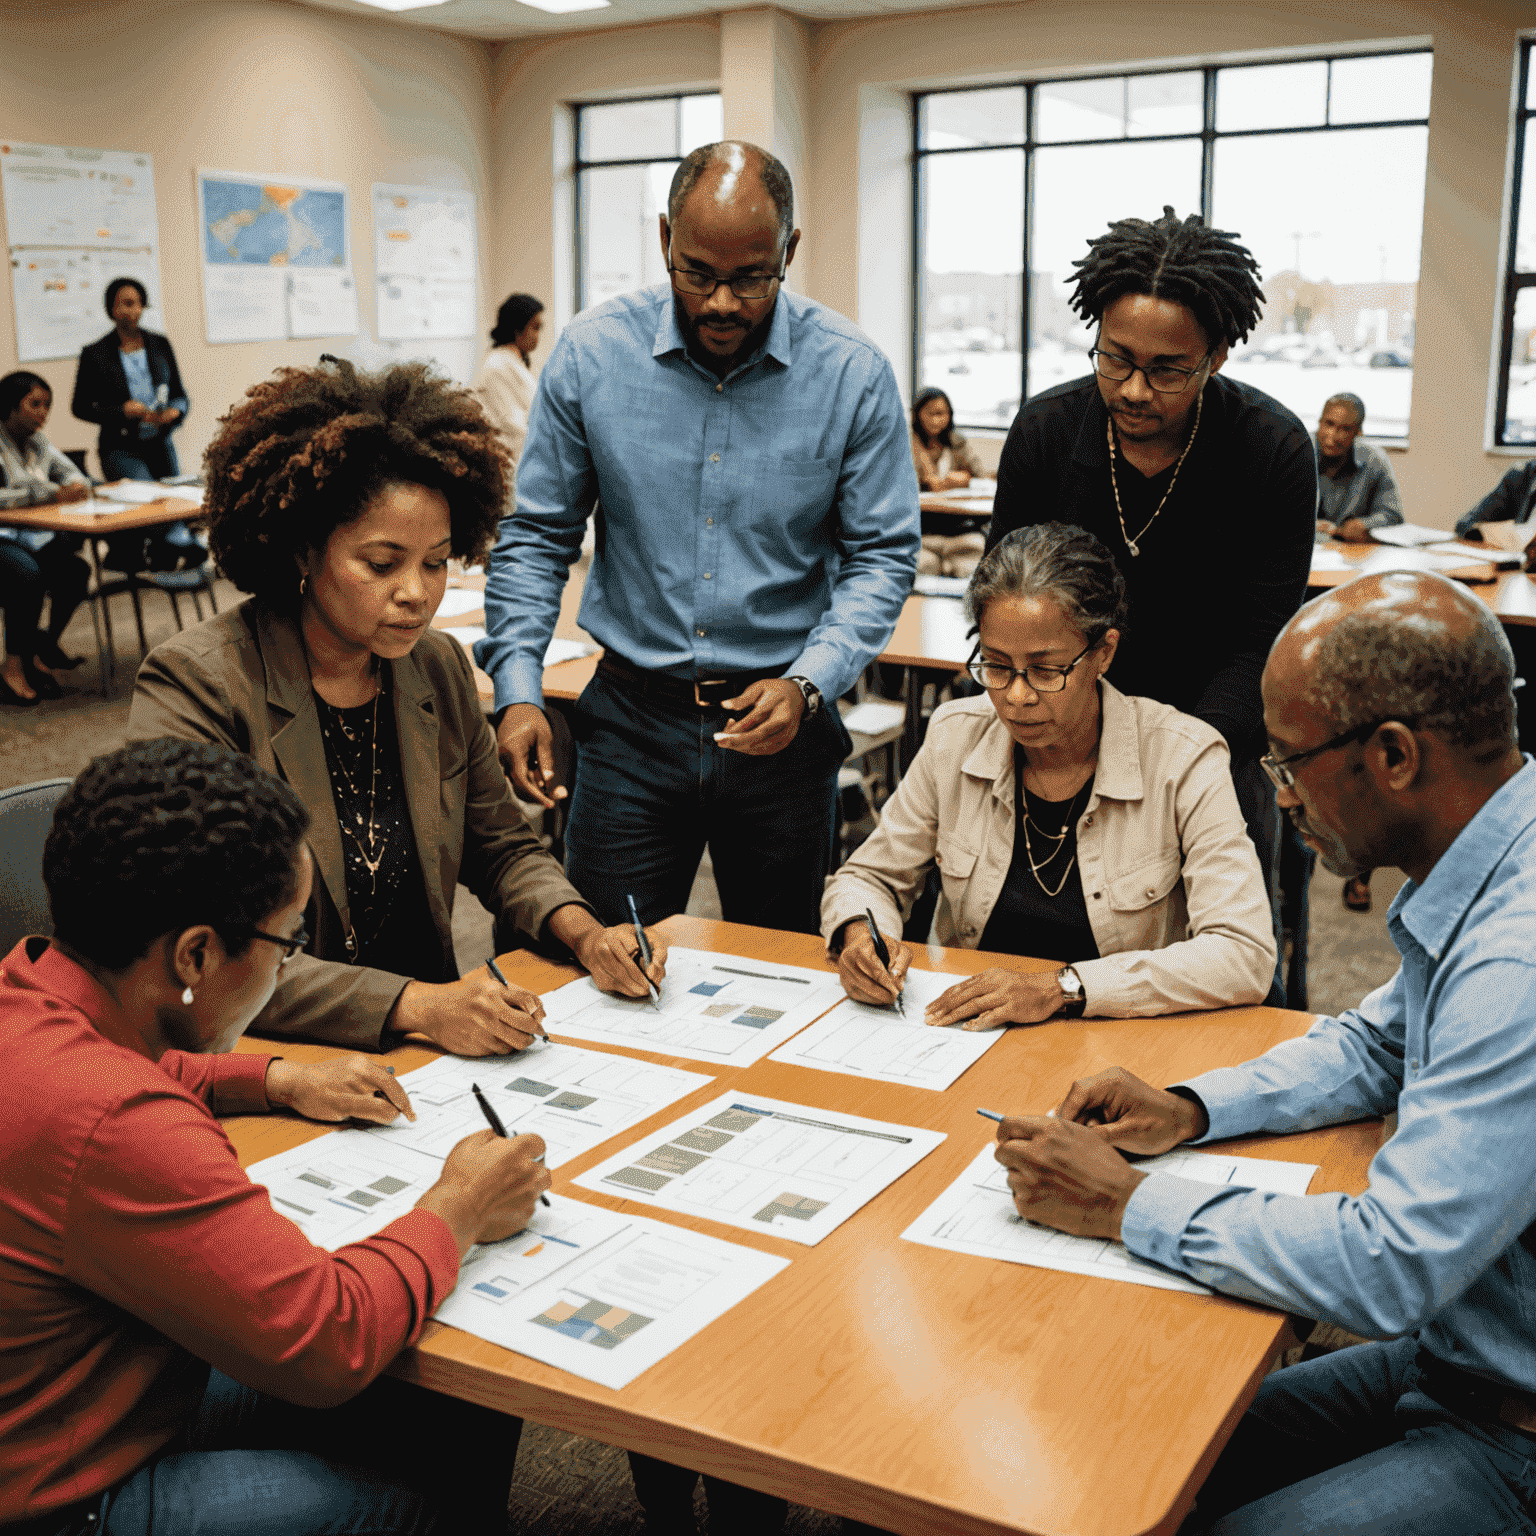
(232, 1084)
(164, 1223)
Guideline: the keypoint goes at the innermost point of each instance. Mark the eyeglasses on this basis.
(1163, 377)
(755, 285)
(289, 947)
(1279, 768)
(995, 677)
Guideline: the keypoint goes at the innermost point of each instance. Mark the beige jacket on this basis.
(242, 681)
(1174, 892)
(506, 386)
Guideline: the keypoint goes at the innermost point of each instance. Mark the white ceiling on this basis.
(500, 20)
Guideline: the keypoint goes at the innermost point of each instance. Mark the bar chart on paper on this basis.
(976, 1215)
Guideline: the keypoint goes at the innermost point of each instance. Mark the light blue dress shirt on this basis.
(1441, 1241)
(767, 520)
(141, 386)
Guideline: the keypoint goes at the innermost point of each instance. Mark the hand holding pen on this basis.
(527, 1002)
(493, 1120)
(871, 969)
(647, 957)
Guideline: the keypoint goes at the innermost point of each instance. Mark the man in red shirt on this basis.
(135, 1253)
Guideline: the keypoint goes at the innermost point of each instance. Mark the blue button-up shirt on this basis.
(1442, 1240)
(762, 521)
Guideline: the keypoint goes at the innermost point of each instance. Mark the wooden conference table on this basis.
(923, 1391)
(1511, 594)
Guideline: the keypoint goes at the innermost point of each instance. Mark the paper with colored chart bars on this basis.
(598, 1294)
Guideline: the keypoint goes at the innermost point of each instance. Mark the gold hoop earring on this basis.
(186, 997)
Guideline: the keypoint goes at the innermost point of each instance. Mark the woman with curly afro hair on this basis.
(335, 498)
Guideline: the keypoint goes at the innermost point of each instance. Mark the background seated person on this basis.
(944, 461)
(1512, 500)
(1390, 710)
(34, 563)
(135, 1253)
(1356, 490)
(1068, 822)
(337, 498)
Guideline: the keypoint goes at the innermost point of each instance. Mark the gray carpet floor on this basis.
(565, 1484)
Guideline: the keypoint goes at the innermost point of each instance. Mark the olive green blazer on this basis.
(242, 681)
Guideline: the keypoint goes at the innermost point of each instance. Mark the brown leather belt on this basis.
(691, 694)
(1475, 1397)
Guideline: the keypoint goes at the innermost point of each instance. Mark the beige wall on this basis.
(241, 85)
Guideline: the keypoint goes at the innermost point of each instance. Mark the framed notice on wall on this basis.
(424, 262)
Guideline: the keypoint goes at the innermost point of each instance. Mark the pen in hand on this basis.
(494, 1121)
(539, 1032)
(645, 952)
(883, 955)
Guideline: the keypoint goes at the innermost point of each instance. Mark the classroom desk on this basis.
(1511, 594)
(923, 1391)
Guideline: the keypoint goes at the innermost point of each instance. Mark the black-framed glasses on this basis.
(1040, 677)
(754, 285)
(1163, 377)
(1279, 768)
(289, 947)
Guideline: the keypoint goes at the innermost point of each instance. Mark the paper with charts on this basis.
(976, 1215)
(866, 1041)
(599, 1294)
(721, 1008)
(765, 1165)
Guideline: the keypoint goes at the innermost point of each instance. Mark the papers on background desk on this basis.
(765, 1165)
(465, 634)
(874, 717)
(1479, 554)
(714, 1007)
(865, 1041)
(141, 492)
(557, 651)
(1409, 535)
(1417, 559)
(457, 600)
(598, 1294)
(940, 586)
(102, 506)
(976, 1215)
(1325, 559)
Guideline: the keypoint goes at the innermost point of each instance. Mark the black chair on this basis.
(26, 814)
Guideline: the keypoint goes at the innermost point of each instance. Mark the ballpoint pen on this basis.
(645, 951)
(540, 1033)
(883, 955)
(494, 1121)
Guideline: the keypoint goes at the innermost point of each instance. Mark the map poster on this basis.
(424, 260)
(277, 257)
(75, 219)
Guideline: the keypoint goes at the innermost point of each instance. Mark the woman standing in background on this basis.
(506, 382)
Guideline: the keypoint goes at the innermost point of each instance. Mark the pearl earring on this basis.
(186, 997)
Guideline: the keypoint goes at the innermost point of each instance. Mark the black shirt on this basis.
(1220, 571)
(1027, 919)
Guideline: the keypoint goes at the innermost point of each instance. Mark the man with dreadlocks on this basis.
(1204, 488)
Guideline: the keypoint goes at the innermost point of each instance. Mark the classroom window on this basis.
(626, 152)
(1318, 164)
(1515, 409)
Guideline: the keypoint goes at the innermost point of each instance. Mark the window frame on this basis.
(1208, 135)
(1515, 283)
(580, 165)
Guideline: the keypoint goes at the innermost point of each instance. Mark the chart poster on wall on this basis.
(277, 257)
(424, 261)
(74, 220)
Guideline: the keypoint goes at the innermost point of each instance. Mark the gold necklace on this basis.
(373, 853)
(1134, 545)
(1029, 852)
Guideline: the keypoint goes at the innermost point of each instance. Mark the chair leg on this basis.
(197, 605)
(213, 602)
(176, 609)
(138, 618)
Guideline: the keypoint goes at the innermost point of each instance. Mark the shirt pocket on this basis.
(793, 496)
(1150, 883)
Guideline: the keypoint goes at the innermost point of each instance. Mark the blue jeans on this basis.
(396, 1459)
(1349, 1444)
(652, 790)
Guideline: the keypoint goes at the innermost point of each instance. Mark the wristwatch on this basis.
(1071, 985)
(810, 692)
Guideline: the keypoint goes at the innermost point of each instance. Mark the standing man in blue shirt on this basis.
(1389, 706)
(757, 533)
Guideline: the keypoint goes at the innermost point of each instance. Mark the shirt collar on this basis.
(36, 965)
(777, 344)
(1432, 912)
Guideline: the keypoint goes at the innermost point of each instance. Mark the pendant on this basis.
(358, 815)
(1134, 548)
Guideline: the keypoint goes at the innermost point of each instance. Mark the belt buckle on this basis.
(708, 682)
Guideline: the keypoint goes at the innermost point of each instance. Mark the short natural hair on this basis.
(117, 285)
(1380, 663)
(15, 387)
(1354, 402)
(771, 172)
(1057, 561)
(1183, 260)
(160, 836)
(306, 451)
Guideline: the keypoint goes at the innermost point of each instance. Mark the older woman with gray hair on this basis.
(1067, 821)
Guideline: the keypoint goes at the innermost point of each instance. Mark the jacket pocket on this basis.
(955, 861)
(1146, 885)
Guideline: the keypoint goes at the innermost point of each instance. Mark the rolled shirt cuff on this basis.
(1158, 1214)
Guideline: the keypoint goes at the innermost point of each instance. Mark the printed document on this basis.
(866, 1041)
(765, 1165)
(976, 1215)
(721, 1008)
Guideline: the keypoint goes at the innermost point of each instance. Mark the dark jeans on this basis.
(396, 1459)
(29, 575)
(153, 549)
(1349, 1444)
(665, 1493)
(652, 790)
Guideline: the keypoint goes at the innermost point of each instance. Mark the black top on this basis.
(1027, 920)
(101, 387)
(388, 904)
(1512, 500)
(1220, 571)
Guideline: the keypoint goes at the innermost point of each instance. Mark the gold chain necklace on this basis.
(1029, 852)
(1134, 545)
(373, 853)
